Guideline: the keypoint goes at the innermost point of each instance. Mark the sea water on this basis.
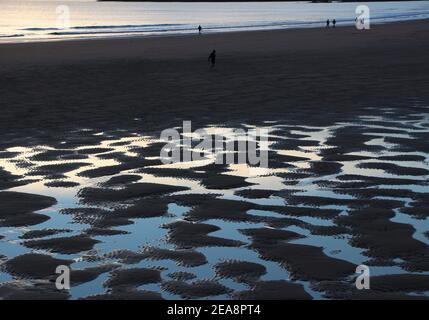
(46, 20)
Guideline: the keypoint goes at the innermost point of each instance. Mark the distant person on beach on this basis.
(327, 23)
(212, 58)
(333, 23)
(199, 29)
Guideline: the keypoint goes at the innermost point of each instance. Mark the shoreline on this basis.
(3, 42)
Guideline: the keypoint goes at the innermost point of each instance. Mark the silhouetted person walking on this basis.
(199, 29)
(333, 23)
(212, 58)
(327, 23)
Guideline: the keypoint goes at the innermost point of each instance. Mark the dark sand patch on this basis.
(17, 208)
(56, 169)
(212, 168)
(32, 234)
(118, 168)
(61, 184)
(240, 271)
(56, 155)
(419, 212)
(380, 262)
(387, 130)
(293, 175)
(403, 157)
(352, 203)
(119, 144)
(74, 156)
(87, 151)
(300, 128)
(343, 157)
(269, 235)
(321, 168)
(376, 192)
(23, 220)
(286, 158)
(103, 232)
(375, 181)
(130, 191)
(96, 217)
(396, 124)
(400, 282)
(280, 161)
(8, 154)
(350, 139)
(385, 243)
(284, 222)
(422, 199)
(225, 209)
(125, 256)
(192, 199)
(144, 208)
(294, 144)
(343, 185)
(66, 245)
(224, 181)
(394, 168)
(182, 276)
(117, 155)
(87, 215)
(304, 211)
(417, 263)
(187, 234)
(112, 221)
(255, 193)
(174, 173)
(102, 171)
(18, 290)
(274, 290)
(8, 180)
(327, 230)
(152, 150)
(17, 202)
(343, 290)
(132, 277)
(32, 265)
(55, 176)
(282, 132)
(304, 262)
(418, 144)
(23, 164)
(78, 277)
(184, 257)
(373, 230)
(121, 179)
(196, 289)
(76, 140)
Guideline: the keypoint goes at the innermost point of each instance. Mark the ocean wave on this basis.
(130, 26)
(12, 35)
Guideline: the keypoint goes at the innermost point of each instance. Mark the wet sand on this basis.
(347, 181)
(259, 76)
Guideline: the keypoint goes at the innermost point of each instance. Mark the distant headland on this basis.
(313, 1)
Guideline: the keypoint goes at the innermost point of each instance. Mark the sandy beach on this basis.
(83, 185)
(259, 74)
